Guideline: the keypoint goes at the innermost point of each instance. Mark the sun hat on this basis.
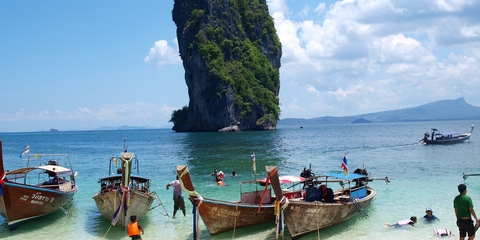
(428, 209)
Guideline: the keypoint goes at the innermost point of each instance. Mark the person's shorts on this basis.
(136, 237)
(178, 202)
(466, 226)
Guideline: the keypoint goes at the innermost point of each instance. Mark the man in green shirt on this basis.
(463, 211)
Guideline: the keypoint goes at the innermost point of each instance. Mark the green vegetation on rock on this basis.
(241, 51)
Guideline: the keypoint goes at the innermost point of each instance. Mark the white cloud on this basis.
(125, 113)
(277, 6)
(320, 9)
(451, 5)
(162, 54)
(367, 56)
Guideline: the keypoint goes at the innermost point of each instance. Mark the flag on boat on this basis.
(344, 165)
(254, 165)
(26, 150)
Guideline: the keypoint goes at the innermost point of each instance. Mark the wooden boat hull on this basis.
(461, 139)
(303, 217)
(20, 202)
(108, 203)
(222, 216)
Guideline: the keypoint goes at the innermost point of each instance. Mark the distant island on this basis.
(443, 110)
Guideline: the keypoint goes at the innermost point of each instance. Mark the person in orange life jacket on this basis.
(178, 202)
(134, 229)
(406, 222)
(464, 211)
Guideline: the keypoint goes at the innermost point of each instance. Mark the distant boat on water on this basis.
(451, 137)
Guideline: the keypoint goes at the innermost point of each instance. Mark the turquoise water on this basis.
(421, 176)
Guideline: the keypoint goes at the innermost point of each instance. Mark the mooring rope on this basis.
(235, 222)
(318, 225)
(107, 231)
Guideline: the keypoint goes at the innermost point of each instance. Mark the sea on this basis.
(420, 175)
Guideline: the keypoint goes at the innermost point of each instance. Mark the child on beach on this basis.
(134, 229)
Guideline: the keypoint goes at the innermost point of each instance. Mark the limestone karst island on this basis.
(231, 56)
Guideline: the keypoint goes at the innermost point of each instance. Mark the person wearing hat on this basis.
(464, 211)
(429, 215)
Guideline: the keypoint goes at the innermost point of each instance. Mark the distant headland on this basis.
(443, 110)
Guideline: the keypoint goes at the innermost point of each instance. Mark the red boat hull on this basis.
(20, 203)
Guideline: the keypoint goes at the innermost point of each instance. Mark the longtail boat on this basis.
(321, 206)
(466, 175)
(122, 194)
(45, 185)
(451, 137)
(254, 207)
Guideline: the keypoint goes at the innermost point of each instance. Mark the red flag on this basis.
(344, 165)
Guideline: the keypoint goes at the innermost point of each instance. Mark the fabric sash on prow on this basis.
(126, 168)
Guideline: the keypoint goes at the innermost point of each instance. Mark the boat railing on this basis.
(255, 197)
(115, 165)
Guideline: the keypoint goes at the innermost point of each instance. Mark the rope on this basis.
(318, 225)
(107, 231)
(235, 222)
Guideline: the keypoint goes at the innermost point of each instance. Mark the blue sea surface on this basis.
(421, 175)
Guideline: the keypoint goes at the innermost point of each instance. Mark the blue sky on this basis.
(87, 64)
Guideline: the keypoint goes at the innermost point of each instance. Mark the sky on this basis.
(73, 65)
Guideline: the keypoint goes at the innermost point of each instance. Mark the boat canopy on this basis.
(58, 170)
(119, 176)
(55, 169)
(351, 176)
(48, 168)
(283, 180)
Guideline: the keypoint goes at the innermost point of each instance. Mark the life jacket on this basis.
(405, 222)
(133, 229)
(442, 232)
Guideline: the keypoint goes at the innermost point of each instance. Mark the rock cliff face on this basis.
(231, 56)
